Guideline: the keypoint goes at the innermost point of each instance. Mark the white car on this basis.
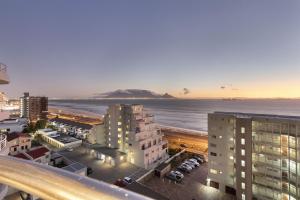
(186, 166)
(192, 165)
(127, 180)
(194, 161)
(177, 173)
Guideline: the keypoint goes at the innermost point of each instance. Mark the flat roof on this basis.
(65, 139)
(72, 123)
(141, 189)
(251, 115)
(74, 167)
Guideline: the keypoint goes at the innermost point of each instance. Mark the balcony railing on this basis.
(51, 183)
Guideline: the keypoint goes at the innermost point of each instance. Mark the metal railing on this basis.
(51, 183)
(2, 141)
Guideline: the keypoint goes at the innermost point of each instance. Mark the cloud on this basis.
(186, 91)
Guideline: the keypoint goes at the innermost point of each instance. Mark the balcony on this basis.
(3, 74)
(51, 183)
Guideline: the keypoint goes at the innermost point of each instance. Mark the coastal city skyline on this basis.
(212, 49)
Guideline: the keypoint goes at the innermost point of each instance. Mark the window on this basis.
(243, 141)
(213, 145)
(220, 136)
(119, 123)
(243, 197)
(243, 185)
(214, 136)
(243, 163)
(243, 130)
(231, 157)
(243, 152)
(243, 175)
(213, 154)
(213, 171)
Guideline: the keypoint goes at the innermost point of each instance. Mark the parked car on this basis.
(127, 180)
(70, 149)
(174, 177)
(191, 163)
(187, 166)
(184, 169)
(177, 173)
(89, 171)
(120, 183)
(194, 161)
(199, 158)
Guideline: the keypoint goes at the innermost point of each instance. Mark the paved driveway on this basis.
(103, 171)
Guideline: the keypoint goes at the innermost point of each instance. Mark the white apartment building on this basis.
(130, 129)
(254, 156)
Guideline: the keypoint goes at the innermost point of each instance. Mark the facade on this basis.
(131, 130)
(33, 108)
(18, 142)
(13, 125)
(254, 156)
(93, 133)
(58, 140)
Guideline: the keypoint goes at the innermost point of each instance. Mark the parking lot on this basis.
(191, 188)
(103, 171)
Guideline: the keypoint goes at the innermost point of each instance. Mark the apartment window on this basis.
(214, 136)
(119, 123)
(243, 186)
(243, 130)
(243, 174)
(119, 130)
(243, 152)
(119, 141)
(213, 154)
(243, 197)
(243, 141)
(220, 136)
(213, 145)
(213, 171)
(231, 157)
(243, 163)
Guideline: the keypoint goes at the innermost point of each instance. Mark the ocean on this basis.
(183, 113)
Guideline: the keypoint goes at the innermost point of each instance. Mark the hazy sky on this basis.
(213, 48)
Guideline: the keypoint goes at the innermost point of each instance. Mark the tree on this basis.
(40, 124)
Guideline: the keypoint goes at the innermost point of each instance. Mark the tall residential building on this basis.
(254, 156)
(131, 130)
(33, 108)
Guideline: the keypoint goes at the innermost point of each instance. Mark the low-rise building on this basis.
(18, 142)
(62, 162)
(130, 129)
(57, 139)
(92, 133)
(39, 154)
(13, 125)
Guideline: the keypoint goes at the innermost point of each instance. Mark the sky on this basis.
(190, 49)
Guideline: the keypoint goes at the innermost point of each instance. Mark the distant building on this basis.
(93, 133)
(33, 108)
(39, 154)
(13, 125)
(131, 130)
(58, 140)
(254, 156)
(18, 142)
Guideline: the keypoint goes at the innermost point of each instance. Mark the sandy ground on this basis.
(191, 142)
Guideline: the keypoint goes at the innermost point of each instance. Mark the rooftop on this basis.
(71, 123)
(38, 152)
(65, 139)
(74, 167)
(14, 135)
(251, 115)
